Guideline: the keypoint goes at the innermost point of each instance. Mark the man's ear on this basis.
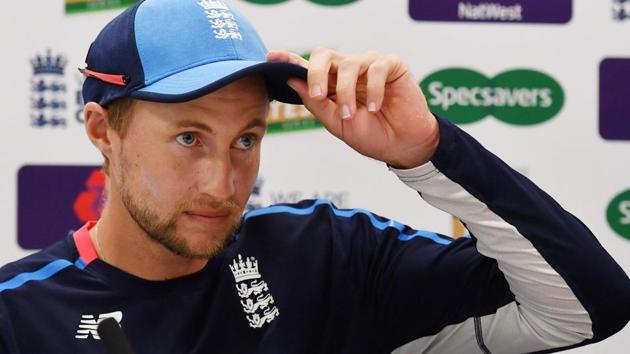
(97, 126)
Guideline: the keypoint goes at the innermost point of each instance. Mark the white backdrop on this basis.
(565, 156)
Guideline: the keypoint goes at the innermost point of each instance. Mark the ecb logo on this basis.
(49, 105)
(319, 2)
(618, 214)
(518, 97)
(48, 91)
(621, 10)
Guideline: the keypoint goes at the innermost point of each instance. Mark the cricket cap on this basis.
(179, 50)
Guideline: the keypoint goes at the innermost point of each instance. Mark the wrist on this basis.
(421, 153)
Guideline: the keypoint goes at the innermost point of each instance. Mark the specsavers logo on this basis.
(618, 214)
(319, 2)
(518, 97)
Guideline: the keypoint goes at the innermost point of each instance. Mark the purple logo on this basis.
(52, 200)
(523, 11)
(614, 90)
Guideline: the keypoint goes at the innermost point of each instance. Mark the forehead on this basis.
(238, 103)
(250, 89)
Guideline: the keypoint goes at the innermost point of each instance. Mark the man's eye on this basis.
(246, 142)
(187, 139)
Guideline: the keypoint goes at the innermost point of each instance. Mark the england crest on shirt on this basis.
(255, 297)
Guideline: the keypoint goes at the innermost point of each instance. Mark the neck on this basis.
(124, 245)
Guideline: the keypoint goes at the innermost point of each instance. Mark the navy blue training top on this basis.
(311, 278)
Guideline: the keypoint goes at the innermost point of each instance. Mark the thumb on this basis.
(323, 109)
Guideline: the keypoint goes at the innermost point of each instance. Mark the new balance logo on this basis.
(89, 324)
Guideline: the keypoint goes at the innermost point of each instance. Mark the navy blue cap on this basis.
(179, 50)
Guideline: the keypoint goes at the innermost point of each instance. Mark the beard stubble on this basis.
(164, 231)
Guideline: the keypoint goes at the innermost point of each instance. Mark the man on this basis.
(177, 94)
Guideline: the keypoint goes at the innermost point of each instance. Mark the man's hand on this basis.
(370, 101)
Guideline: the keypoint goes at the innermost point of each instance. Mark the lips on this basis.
(208, 213)
(208, 218)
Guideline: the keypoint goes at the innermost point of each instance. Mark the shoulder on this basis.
(38, 266)
(310, 210)
(312, 215)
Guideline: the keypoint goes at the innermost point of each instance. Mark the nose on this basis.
(216, 177)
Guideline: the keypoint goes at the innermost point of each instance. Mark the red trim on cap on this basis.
(84, 244)
(109, 78)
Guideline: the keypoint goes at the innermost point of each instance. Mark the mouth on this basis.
(208, 217)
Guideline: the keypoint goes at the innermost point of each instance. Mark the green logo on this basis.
(320, 2)
(286, 118)
(519, 97)
(618, 214)
(74, 6)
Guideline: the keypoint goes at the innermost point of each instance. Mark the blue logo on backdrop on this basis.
(260, 198)
(255, 199)
(621, 10)
(78, 98)
(50, 106)
(48, 90)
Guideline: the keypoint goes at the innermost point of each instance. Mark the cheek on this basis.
(245, 174)
(158, 178)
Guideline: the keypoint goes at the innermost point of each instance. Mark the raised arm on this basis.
(532, 278)
(568, 290)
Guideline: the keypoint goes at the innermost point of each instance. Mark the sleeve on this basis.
(531, 277)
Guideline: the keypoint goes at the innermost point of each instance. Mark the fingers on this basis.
(343, 84)
(287, 57)
(319, 67)
(323, 109)
(381, 71)
(360, 79)
(349, 73)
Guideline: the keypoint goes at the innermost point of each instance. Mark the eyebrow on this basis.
(258, 122)
(194, 124)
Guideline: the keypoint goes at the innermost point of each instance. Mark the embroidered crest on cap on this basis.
(222, 19)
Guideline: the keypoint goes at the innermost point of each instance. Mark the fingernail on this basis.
(345, 111)
(316, 90)
(372, 107)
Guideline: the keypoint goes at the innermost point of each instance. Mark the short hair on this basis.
(119, 117)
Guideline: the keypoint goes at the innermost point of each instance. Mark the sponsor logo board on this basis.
(614, 91)
(53, 200)
(518, 96)
(504, 11)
